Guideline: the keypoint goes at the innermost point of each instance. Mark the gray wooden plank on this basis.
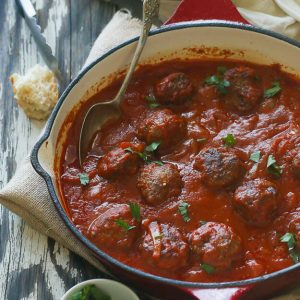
(31, 265)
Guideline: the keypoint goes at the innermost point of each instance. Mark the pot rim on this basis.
(48, 127)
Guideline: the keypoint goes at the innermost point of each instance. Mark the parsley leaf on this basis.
(183, 209)
(276, 88)
(158, 162)
(84, 178)
(229, 140)
(135, 211)
(207, 268)
(220, 83)
(152, 147)
(290, 239)
(152, 102)
(90, 292)
(255, 156)
(145, 156)
(295, 256)
(124, 225)
(273, 167)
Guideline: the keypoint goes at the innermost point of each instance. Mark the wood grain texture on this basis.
(31, 265)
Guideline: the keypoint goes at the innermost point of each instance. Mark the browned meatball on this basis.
(256, 201)
(159, 183)
(120, 161)
(219, 168)
(163, 126)
(215, 244)
(107, 230)
(173, 89)
(294, 227)
(165, 246)
(296, 166)
(245, 90)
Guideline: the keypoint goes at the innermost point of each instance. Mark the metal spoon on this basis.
(99, 113)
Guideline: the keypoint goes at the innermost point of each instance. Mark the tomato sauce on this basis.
(215, 116)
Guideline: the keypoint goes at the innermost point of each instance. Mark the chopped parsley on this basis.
(124, 225)
(84, 178)
(152, 147)
(183, 209)
(220, 83)
(207, 268)
(152, 102)
(229, 140)
(290, 240)
(135, 211)
(275, 89)
(255, 156)
(145, 156)
(273, 167)
(201, 140)
(158, 162)
(90, 292)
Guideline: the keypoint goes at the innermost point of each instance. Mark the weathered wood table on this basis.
(31, 265)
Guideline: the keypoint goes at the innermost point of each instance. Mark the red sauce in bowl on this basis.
(199, 180)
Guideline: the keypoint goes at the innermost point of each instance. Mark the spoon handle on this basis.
(150, 11)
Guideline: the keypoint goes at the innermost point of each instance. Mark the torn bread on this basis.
(36, 92)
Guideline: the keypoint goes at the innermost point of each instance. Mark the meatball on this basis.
(107, 230)
(164, 246)
(215, 244)
(159, 183)
(120, 161)
(163, 126)
(256, 201)
(245, 91)
(173, 89)
(218, 168)
(294, 227)
(296, 166)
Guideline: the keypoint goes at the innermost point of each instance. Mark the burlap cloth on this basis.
(26, 194)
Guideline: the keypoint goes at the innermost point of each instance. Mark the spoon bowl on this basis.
(100, 113)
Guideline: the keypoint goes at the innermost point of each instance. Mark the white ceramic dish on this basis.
(115, 289)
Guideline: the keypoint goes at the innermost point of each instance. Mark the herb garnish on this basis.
(220, 83)
(290, 239)
(124, 225)
(84, 178)
(273, 167)
(90, 292)
(255, 156)
(229, 140)
(135, 211)
(276, 88)
(207, 268)
(183, 209)
(145, 156)
(152, 147)
(152, 102)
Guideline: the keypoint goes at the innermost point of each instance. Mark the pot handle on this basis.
(233, 293)
(191, 10)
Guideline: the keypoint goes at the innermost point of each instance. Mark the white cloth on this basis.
(26, 194)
